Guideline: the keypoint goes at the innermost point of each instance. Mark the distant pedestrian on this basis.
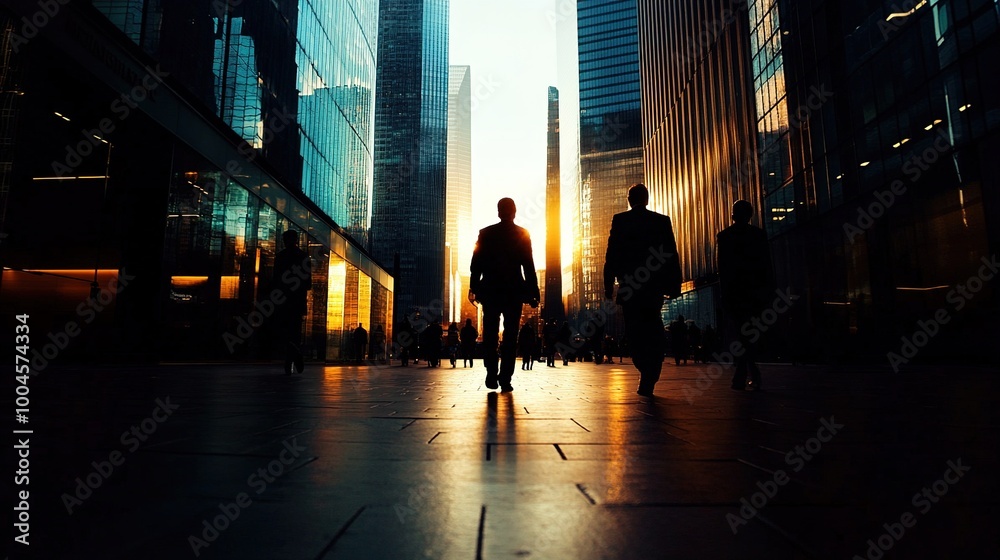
(694, 342)
(503, 280)
(468, 336)
(642, 256)
(564, 338)
(549, 340)
(679, 340)
(451, 344)
(526, 345)
(430, 344)
(360, 343)
(378, 344)
(746, 281)
(293, 278)
(406, 341)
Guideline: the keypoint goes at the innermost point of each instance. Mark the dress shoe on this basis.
(491, 381)
(506, 388)
(644, 392)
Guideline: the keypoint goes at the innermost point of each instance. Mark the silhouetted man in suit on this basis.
(746, 280)
(503, 279)
(642, 255)
(360, 343)
(293, 277)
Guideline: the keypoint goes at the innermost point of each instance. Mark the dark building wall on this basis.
(816, 111)
(879, 98)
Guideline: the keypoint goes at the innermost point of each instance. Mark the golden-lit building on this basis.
(125, 161)
(862, 137)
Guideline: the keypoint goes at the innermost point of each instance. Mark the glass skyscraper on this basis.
(698, 121)
(460, 233)
(863, 136)
(553, 297)
(190, 173)
(411, 137)
(611, 155)
(335, 56)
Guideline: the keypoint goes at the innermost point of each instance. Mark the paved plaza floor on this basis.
(239, 461)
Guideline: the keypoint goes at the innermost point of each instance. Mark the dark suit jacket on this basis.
(502, 266)
(746, 275)
(641, 242)
(293, 277)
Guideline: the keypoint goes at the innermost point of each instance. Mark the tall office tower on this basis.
(553, 303)
(863, 138)
(697, 130)
(611, 154)
(335, 56)
(191, 184)
(856, 103)
(411, 137)
(460, 235)
(568, 76)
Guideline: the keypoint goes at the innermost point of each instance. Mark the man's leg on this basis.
(644, 328)
(491, 339)
(739, 319)
(508, 348)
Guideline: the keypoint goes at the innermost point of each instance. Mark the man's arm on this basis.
(611, 259)
(476, 269)
(673, 264)
(529, 270)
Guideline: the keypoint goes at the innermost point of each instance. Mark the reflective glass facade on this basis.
(864, 134)
(168, 193)
(854, 101)
(335, 56)
(697, 116)
(552, 301)
(611, 155)
(411, 137)
(460, 232)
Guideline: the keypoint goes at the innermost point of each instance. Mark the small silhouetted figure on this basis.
(549, 340)
(611, 349)
(503, 280)
(746, 280)
(406, 341)
(293, 278)
(707, 343)
(430, 344)
(679, 340)
(526, 345)
(564, 340)
(452, 344)
(694, 342)
(378, 343)
(642, 256)
(468, 336)
(360, 340)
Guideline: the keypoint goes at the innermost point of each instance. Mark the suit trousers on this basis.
(510, 308)
(644, 329)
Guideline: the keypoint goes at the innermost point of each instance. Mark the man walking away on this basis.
(746, 281)
(503, 279)
(642, 256)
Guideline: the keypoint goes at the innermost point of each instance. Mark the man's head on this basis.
(638, 196)
(506, 209)
(291, 238)
(742, 212)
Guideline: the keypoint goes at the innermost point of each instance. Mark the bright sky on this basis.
(511, 47)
